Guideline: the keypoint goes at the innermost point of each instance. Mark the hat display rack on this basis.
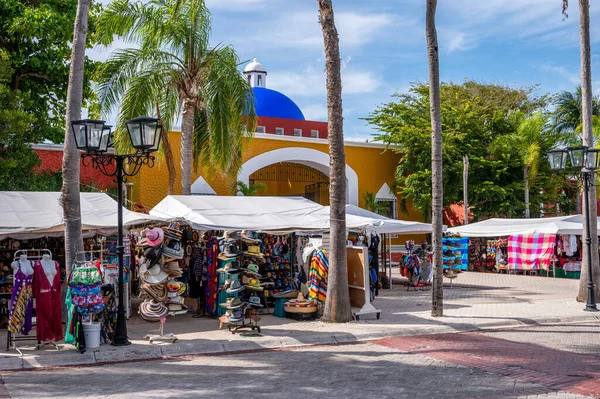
(158, 273)
(238, 261)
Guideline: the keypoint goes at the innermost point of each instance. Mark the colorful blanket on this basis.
(531, 251)
(317, 277)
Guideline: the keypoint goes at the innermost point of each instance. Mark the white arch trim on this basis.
(305, 156)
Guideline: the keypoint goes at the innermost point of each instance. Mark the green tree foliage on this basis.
(250, 190)
(474, 116)
(371, 204)
(175, 72)
(566, 118)
(35, 40)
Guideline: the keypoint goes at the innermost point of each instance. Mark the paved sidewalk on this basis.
(358, 371)
(476, 301)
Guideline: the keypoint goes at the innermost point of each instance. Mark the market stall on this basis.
(525, 245)
(32, 254)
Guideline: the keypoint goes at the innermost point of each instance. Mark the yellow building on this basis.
(289, 155)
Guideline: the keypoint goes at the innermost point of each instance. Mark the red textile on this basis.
(48, 306)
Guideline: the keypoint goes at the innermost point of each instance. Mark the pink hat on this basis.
(155, 236)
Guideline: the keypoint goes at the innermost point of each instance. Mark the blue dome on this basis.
(275, 105)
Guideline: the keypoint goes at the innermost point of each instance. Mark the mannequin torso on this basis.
(24, 264)
(49, 268)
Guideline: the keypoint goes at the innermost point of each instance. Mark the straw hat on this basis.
(254, 250)
(232, 303)
(153, 311)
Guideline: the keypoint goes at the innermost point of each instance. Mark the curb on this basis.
(269, 343)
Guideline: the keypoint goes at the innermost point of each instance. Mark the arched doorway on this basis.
(304, 156)
(293, 179)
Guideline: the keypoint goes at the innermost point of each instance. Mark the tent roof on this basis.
(282, 214)
(385, 225)
(31, 214)
(505, 227)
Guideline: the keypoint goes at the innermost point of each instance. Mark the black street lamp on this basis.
(95, 138)
(584, 165)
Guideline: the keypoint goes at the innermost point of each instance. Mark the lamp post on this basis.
(95, 138)
(584, 162)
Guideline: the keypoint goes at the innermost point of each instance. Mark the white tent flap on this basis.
(506, 227)
(29, 214)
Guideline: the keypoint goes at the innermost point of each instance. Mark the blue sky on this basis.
(512, 42)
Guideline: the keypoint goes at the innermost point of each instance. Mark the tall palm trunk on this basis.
(70, 165)
(437, 308)
(187, 133)
(526, 179)
(588, 140)
(337, 305)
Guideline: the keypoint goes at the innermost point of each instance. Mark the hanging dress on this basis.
(48, 305)
(21, 304)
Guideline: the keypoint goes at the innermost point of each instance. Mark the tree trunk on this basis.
(437, 189)
(526, 180)
(466, 189)
(168, 154)
(187, 133)
(588, 140)
(71, 158)
(337, 305)
(578, 201)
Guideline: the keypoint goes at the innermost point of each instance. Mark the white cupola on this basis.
(256, 74)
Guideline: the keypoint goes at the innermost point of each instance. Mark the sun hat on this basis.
(254, 301)
(236, 286)
(232, 303)
(254, 284)
(230, 236)
(173, 286)
(254, 250)
(153, 254)
(172, 234)
(231, 251)
(175, 252)
(155, 236)
(157, 292)
(236, 316)
(249, 237)
(227, 284)
(153, 311)
(252, 268)
(230, 268)
(141, 243)
(158, 278)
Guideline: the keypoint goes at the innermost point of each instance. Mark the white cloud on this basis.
(315, 112)
(311, 82)
(573, 78)
(302, 29)
(236, 5)
(452, 40)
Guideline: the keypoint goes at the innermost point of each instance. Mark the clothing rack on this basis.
(11, 339)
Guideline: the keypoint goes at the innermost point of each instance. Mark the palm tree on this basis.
(587, 112)
(175, 73)
(337, 305)
(250, 190)
(70, 165)
(528, 143)
(437, 189)
(567, 117)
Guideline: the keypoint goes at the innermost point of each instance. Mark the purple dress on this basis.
(21, 304)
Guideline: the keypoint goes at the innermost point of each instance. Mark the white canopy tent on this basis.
(268, 214)
(390, 226)
(273, 214)
(506, 227)
(29, 215)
